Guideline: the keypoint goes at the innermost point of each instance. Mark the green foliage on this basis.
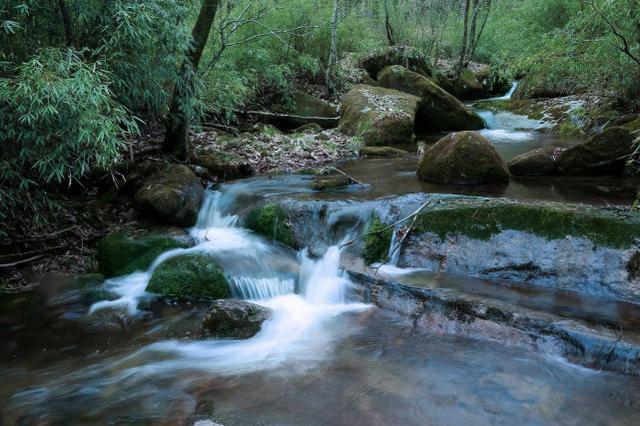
(552, 223)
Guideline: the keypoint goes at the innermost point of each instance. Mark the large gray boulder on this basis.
(233, 318)
(606, 153)
(172, 195)
(463, 158)
(379, 116)
(437, 109)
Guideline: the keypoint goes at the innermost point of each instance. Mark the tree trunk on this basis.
(477, 4)
(66, 22)
(333, 54)
(387, 24)
(177, 125)
(463, 48)
(476, 39)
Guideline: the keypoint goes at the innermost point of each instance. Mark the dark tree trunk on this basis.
(66, 22)
(387, 24)
(463, 48)
(177, 126)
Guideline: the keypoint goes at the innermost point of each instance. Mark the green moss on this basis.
(271, 221)
(567, 128)
(482, 222)
(633, 126)
(377, 242)
(193, 276)
(120, 254)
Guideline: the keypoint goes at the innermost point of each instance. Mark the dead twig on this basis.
(359, 182)
(21, 262)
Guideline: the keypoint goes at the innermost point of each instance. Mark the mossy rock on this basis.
(410, 58)
(483, 220)
(377, 115)
(305, 105)
(633, 125)
(463, 158)
(118, 253)
(606, 153)
(437, 109)
(539, 162)
(382, 151)
(330, 182)
(272, 222)
(377, 241)
(194, 277)
(222, 166)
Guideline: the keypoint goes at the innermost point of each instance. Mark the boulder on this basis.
(236, 319)
(271, 221)
(382, 151)
(118, 253)
(330, 182)
(171, 195)
(437, 109)
(463, 158)
(223, 167)
(606, 153)
(539, 162)
(379, 116)
(409, 58)
(192, 276)
(306, 105)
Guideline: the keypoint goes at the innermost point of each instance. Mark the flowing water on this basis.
(84, 353)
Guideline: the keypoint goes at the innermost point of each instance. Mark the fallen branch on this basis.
(345, 174)
(21, 262)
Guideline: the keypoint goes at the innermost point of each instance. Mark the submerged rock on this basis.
(236, 319)
(119, 253)
(606, 153)
(463, 158)
(379, 116)
(171, 195)
(539, 162)
(382, 151)
(192, 276)
(437, 109)
(272, 222)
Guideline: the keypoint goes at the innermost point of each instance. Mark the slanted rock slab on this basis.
(463, 158)
(172, 195)
(233, 318)
(437, 109)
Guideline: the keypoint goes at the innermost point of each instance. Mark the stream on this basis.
(77, 353)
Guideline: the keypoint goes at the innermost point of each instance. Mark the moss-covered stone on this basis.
(377, 241)
(306, 105)
(119, 254)
(539, 162)
(271, 221)
(330, 182)
(482, 221)
(377, 115)
(437, 109)
(410, 58)
(382, 151)
(194, 276)
(633, 125)
(606, 153)
(223, 166)
(463, 158)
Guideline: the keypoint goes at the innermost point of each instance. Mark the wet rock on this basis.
(606, 153)
(382, 151)
(377, 241)
(379, 116)
(467, 86)
(192, 276)
(223, 166)
(463, 158)
(408, 58)
(236, 319)
(172, 195)
(119, 253)
(437, 109)
(540, 84)
(330, 182)
(272, 222)
(539, 162)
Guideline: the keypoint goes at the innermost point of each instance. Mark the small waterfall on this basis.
(251, 288)
(509, 94)
(322, 281)
(394, 248)
(211, 214)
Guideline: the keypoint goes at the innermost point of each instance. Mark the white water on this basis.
(508, 95)
(297, 330)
